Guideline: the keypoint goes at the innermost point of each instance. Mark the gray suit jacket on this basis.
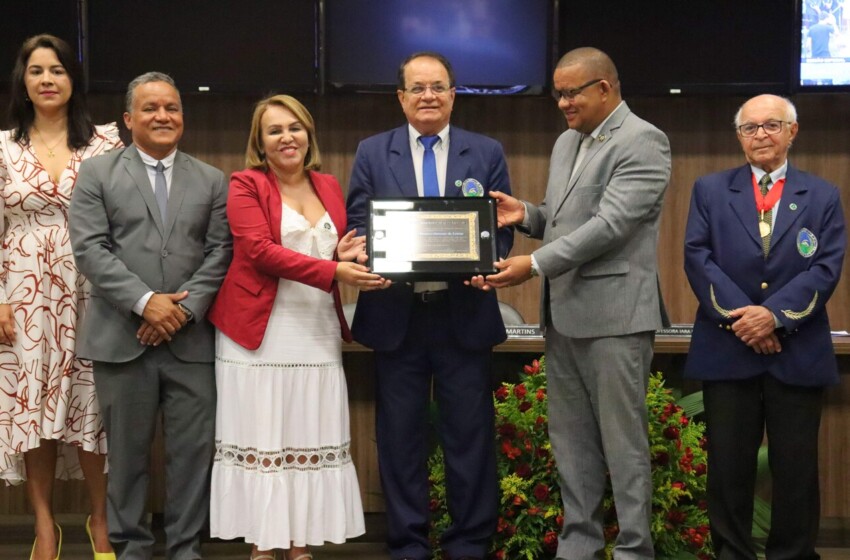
(124, 249)
(600, 230)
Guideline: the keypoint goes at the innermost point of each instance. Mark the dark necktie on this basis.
(161, 191)
(430, 185)
(767, 218)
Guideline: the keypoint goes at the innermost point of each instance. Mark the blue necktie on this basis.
(160, 190)
(430, 185)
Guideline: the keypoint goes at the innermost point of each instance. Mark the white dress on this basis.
(283, 471)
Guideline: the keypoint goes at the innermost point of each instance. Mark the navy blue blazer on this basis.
(727, 269)
(383, 168)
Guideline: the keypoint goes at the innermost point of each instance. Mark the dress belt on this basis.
(431, 297)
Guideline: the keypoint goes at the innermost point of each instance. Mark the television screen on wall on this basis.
(249, 46)
(824, 34)
(664, 47)
(494, 46)
(23, 19)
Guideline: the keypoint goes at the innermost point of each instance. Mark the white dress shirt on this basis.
(150, 166)
(441, 156)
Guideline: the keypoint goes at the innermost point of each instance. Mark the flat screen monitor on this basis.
(494, 46)
(22, 19)
(249, 46)
(664, 47)
(824, 32)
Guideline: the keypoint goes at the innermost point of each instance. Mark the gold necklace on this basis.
(50, 149)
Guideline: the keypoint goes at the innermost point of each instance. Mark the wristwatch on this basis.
(189, 315)
(534, 272)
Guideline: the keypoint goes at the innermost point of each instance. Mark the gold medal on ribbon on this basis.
(764, 228)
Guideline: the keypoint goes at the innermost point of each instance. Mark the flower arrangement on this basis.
(531, 516)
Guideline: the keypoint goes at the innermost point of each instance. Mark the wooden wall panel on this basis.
(702, 141)
(834, 453)
(700, 131)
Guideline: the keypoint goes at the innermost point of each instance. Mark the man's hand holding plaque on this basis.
(509, 210)
(514, 270)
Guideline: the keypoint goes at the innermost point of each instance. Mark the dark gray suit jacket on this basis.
(124, 249)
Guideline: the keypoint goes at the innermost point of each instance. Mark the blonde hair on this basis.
(254, 156)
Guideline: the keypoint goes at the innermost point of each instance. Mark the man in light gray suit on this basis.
(149, 230)
(600, 300)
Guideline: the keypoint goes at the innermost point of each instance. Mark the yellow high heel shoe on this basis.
(58, 544)
(97, 555)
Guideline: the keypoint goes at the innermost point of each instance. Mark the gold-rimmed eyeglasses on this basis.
(570, 94)
(749, 130)
(436, 89)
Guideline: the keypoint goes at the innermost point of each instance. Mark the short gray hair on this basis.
(146, 78)
(790, 111)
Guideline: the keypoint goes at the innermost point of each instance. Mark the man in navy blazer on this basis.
(763, 264)
(424, 331)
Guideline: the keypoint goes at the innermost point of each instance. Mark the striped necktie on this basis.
(767, 217)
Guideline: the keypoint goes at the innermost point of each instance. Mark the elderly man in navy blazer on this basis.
(763, 253)
(443, 331)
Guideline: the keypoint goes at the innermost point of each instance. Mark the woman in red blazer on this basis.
(283, 476)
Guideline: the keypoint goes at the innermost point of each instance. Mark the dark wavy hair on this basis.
(21, 112)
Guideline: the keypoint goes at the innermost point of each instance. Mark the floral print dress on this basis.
(45, 391)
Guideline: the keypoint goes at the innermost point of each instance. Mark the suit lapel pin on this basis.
(458, 183)
(471, 187)
(601, 137)
(792, 206)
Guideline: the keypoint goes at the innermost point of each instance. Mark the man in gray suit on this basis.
(149, 230)
(600, 300)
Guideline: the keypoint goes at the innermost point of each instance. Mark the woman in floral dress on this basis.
(50, 425)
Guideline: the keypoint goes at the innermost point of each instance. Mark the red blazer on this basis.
(245, 300)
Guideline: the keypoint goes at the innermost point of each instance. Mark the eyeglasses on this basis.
(570, 94)
(436, 89)
(770, 127)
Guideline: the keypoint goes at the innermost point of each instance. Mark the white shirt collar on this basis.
(415, 134)
(167, 161)
(776, 175)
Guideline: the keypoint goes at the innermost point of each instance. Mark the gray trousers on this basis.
(598, 424)
(131, 394)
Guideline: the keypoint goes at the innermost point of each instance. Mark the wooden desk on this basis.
(508, 359)
(663, 345)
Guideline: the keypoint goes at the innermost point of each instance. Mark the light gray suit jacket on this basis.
(123, 248)
(600, 230)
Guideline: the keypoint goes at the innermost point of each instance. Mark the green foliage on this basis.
(531, 515)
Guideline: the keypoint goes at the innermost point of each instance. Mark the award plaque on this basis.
(432, 238)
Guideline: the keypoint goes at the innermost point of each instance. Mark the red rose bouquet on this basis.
(530, 514)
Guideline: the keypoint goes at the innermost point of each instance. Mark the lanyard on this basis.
(768, 201)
